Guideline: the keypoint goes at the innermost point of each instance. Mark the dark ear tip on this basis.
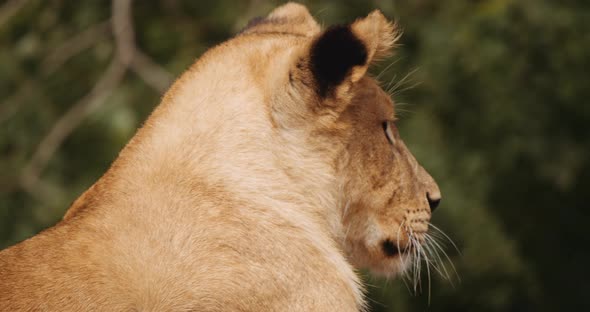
(333, 54)
(255, 21)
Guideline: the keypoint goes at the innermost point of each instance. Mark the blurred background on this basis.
(493, 97)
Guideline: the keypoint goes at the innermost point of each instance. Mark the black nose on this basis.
(432, 202)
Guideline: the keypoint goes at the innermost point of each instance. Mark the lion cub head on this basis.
(286, 113)
(385, 197)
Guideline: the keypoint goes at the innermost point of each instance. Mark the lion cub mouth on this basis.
(391, 249)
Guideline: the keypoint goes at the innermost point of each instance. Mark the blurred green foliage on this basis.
(497, 110)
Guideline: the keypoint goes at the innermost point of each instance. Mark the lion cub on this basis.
(271, 169)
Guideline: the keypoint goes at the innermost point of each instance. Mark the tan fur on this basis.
(244, 191)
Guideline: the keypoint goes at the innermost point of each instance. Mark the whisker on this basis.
(347, 230)
(401, 82)
(409, 274)
(375, 302)
(445, 235)
(412, 257)
(386, 68)
(405, 278)
(433, 252)
(419, 262)
(345, 210)
(398, 236)
(403, 110)
(437, 236)
(416, 261)
(428, 273)
(398, 91)
(390, 82)
(437, 245)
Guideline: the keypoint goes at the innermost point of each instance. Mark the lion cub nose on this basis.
(433, 201)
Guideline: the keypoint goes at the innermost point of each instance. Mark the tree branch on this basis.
(9, 9)
(111, 78)
(11, 105)
(127, 56)
(154, 75)
(73, 46)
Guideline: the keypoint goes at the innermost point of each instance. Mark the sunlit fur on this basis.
(245, 190)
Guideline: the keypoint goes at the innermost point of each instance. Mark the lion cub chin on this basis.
(270, 169)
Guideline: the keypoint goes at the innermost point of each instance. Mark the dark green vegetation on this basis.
(497, 110)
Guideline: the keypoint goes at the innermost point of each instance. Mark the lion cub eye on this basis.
(388, 132)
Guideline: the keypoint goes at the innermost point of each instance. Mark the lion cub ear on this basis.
(341, 55)
(290, 18)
